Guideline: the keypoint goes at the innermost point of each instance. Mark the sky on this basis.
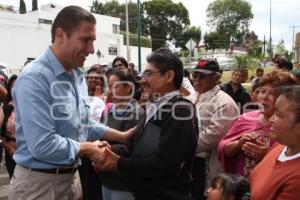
(285, 13)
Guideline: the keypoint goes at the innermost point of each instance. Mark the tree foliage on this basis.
(191, 32)
(280, 48)
(229, 19)
(253, 45)
(164, 21)
(22, 8)
(115, 9)
(246, 62)
(34, 5)
(133, 40)
(215, 40)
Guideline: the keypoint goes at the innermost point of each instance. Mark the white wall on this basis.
(23, 37)
(134, 55)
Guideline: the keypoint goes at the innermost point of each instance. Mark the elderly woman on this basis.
(247, 140)
(278, 175)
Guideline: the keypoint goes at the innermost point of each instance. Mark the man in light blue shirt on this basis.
(52, 118)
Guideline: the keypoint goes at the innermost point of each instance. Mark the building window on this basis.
(113, 51)
(116, 28)
(45, 21)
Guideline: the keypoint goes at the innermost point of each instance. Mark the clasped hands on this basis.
(252, 146)
(103, 158)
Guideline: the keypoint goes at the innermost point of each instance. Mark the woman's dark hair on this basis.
(9, 86)
(7, 107)
(94, 68)
(233, 185)
(126, 76)
(164, 59)
(292, 93)
(121, 59)
(259, 70)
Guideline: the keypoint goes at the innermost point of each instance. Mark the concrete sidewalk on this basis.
(4, 182)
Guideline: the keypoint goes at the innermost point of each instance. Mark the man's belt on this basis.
(54, 170)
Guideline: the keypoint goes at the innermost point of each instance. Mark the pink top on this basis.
(241, 164)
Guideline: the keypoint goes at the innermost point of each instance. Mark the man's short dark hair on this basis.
(283, 63)
(259, 70)
(164, 60)
(69, 18)
(121, 59)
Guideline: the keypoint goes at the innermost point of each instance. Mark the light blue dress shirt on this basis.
(51, 114)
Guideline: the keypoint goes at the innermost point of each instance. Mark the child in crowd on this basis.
(229, 187)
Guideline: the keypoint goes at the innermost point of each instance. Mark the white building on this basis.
(26, 36)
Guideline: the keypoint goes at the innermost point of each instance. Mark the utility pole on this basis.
(127, 33)
(270, 40)
(139, 33)
(293, 40)
(264, 49)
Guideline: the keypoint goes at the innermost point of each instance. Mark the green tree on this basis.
(253, 45)
(115, 9)
(215, 40)
(280, 48)
(246, 62)
(34, 5)
(22, 8)
(191, 32)
(97, 7)
(229, 18)
(132, 23)
(164, 21)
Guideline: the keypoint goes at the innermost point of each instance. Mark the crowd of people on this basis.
(115, 134)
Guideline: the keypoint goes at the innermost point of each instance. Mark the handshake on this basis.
(102, 157)
(100, 151)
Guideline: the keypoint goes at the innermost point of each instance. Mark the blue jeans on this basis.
(109, 194)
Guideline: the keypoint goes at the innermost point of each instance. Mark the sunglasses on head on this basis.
(200, 75)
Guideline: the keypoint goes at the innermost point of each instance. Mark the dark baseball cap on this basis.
(207, 66)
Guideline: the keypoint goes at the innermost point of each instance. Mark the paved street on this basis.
(4, 182)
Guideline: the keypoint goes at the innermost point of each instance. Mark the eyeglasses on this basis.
(200, 75)
(147, 74)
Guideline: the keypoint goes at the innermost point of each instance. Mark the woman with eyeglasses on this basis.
(123, 114)
(277, 176)
(248, 139)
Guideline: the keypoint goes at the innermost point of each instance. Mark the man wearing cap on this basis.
(216, 111)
